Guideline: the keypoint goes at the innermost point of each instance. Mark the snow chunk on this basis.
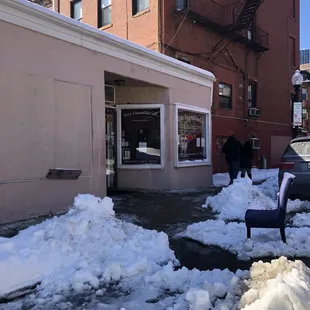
(281, 284)
(301, 220)
(264, 242)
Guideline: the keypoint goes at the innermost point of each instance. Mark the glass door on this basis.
(110, 127)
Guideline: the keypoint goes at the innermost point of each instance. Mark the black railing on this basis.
(225, 17)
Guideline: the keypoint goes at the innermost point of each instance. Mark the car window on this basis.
(298, 148)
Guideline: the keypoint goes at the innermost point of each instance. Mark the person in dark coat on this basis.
(232, 149)
(246, 159)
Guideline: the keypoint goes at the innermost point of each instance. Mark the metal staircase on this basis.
(247, 14)
(244, 15)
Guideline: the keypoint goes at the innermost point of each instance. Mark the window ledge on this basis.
(106, 27)
(141, 13)
(193, 163)
(140, 167)
(226, 109)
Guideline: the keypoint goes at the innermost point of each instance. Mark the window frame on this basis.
(72, 4)
(194, 109)
(220, 96)
(119, 109)
(100, 15)
(135, 7)
(252, 84)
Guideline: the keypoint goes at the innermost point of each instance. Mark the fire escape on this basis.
(234, 22)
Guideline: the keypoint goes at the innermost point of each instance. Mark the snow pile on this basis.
(270, 187)
(258, 175)
(263, 242)
(233, 201)
(301, 220)
(80, 250)
(194, 289)
(281, 284)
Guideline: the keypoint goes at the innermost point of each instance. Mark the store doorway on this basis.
(111, 151)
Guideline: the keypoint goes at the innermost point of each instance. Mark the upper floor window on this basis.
(304, 94)
(104, 13)
(252, 93)
(225, 95)
(76, 10)
(139, 5)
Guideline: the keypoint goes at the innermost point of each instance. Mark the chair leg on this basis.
(248, 232)
(282, 232)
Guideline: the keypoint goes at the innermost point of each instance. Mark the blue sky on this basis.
(304, 24)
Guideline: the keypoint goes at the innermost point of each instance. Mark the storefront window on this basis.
(191, 136)
(140, 136)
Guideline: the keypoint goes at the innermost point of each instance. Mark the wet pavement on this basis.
(172, 212)
(169, 211)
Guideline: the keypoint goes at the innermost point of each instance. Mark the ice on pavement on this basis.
(233, 201)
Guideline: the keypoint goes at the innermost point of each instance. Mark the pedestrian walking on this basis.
(232, 149)
(246, 159)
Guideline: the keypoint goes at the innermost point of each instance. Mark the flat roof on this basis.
(31, 16)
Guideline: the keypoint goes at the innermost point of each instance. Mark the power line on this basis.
(177, 31)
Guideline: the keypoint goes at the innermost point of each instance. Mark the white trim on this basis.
(31, 16)
(121, 107)
(207, 161)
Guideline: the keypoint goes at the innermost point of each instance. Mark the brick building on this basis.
(252, 48)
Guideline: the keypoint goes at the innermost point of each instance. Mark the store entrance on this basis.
(110, 127)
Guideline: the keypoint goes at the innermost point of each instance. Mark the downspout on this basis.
(160, 27)
(54, 5)
(127, 20)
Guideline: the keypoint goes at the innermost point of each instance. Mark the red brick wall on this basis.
(272, 72)
(141, 28)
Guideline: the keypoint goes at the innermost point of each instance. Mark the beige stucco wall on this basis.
(53, 116)
(170, 177)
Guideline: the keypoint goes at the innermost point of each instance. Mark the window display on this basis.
(140, 136)
(191, 136)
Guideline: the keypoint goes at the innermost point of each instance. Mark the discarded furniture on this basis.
(271, 218)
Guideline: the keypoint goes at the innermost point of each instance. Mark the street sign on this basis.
(297, 114)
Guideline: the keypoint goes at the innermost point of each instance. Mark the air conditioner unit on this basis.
(254, 112)
(255, 143)
(181, 5)
(109, 93)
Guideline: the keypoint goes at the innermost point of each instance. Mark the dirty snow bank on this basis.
(80, 249)
(263, 242)
(233, 201)
(281, 284)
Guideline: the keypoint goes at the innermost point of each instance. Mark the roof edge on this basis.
(29, 15)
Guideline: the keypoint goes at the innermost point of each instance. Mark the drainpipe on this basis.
(159, 45)
(245, 83)
(53, 5)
